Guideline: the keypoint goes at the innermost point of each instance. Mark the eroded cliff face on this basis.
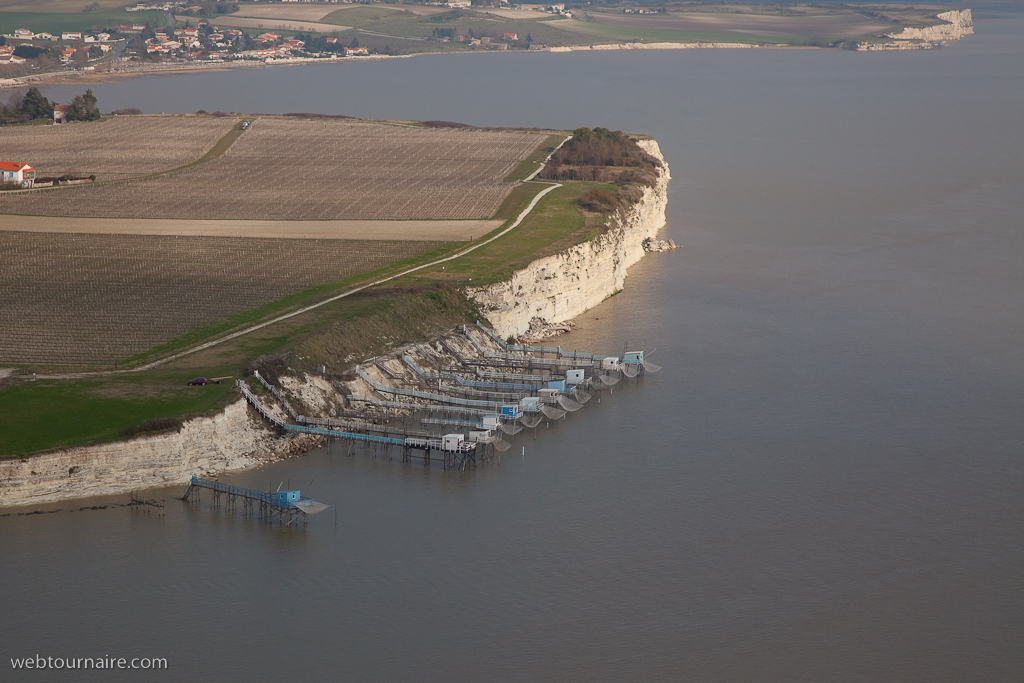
(961, 23)
(228, 441)
(560, 287)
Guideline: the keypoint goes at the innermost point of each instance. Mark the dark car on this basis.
(197, 382)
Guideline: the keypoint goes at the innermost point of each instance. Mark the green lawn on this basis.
(47, 414)
(361, 15)
(56, 23)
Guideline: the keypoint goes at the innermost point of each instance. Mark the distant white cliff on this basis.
(960, 24)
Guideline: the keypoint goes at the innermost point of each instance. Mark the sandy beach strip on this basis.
(455, 230)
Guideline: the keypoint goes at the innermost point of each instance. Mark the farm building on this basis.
(17, 172)
(60, 113)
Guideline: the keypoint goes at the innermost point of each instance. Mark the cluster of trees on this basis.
(34, 105)
(210, 7)
(603, 155)
(318, 43)
(601, 147)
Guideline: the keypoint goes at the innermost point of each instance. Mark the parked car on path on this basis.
(197, 382)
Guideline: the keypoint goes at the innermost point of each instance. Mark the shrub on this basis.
(599, 200)
(158, 424)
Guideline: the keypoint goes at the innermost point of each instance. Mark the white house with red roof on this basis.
(17, 172)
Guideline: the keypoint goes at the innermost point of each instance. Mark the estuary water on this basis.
(824, 483)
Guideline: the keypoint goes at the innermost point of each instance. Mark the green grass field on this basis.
(56, 23)
(361, 15)
(48, 414)
(624, 35)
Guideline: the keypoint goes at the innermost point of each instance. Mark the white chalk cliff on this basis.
(229, 440)
(560, 287)
(960, 23)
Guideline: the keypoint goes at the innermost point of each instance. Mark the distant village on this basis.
(204, 42)
(118, 46)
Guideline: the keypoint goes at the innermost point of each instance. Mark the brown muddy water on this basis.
(823, 484)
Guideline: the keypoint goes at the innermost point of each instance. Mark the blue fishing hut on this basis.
(286, 499)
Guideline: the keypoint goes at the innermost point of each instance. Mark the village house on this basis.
(17, 172)
(71, 35)
(60, 113)
(512, 36)
(22, 34)
(44, 36)
(66, 53)
(10, 59)
(354, 51)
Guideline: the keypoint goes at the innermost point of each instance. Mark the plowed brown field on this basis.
(83, 299)
(120, 147)
(293, 169)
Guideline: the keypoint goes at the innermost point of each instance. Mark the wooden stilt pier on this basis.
(287, 507)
